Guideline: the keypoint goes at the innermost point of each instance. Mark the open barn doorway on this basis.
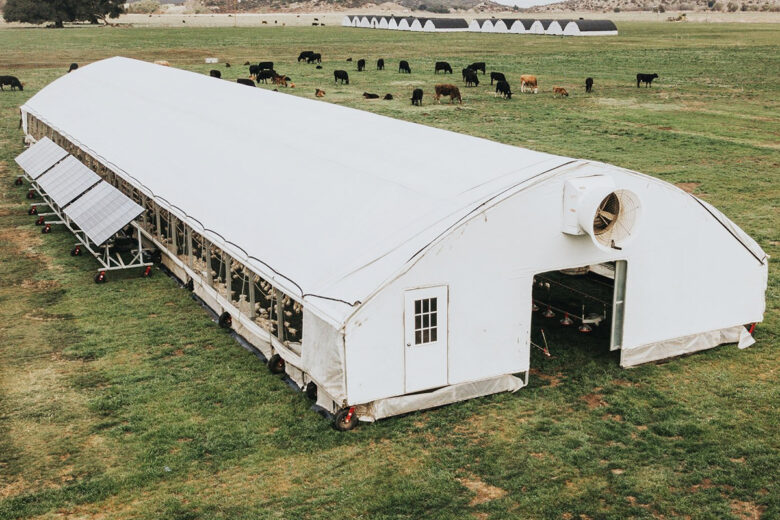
(578, 313)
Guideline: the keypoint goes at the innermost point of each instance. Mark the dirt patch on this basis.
(704, 484)
(688, 187)
(484, 492)
(552, 380)
(593, 400)
(608, 417)
(746, 510)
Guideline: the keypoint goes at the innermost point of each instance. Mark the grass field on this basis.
(126, 401)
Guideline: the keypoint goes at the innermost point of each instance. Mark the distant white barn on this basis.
(487, 26)
(445, 25)
(395, 281)
(346, 21)
(502, 25)
(383, 22)
(365, 22)
(374, 22)
(404, 24)
(540, 26)
(556, 27)
(521, 26)
(417, 24)
(590, 28)
(355, 21)
(392, 23)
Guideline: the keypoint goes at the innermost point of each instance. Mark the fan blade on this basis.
(609, 215)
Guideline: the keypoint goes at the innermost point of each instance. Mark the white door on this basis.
(425, 334)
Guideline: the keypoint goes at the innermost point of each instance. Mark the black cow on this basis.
(319, 66)
(265, 75)
(480, 65)
(388, 97)
(403, 66)
(380, 64)
(417, 96)
(471, 78)
(502, 87)
(214, 73)
(497, 76)
(254, 70)
(73, 66)
(349, 59)
(304, 55)
(341, 75)
(361, 63)
(368, 95)
(315, 57)
(442, 65)
(265, 65)
(247, 82)
(588, 84)
(12, 81)
(647, 79)
(465, 71)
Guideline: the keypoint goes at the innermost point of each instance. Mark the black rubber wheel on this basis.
(341, 423)
(276, 364)
(190, 286)
(100, 278)
(157, 256)
(18, 181)
(46, 229)
(76, 251)
(225, 320)
(311, 391)
(33, 210)
(40, 221)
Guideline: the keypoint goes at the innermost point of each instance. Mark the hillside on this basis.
(660, 5)
(436, 6)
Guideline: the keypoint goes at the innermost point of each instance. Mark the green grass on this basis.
(103, 388)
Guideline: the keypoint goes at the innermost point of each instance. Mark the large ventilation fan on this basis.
(593, 206)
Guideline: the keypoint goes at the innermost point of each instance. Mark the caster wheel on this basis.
(33, 210)
(276, 364)
(311, 391)
(18, 181)
(190, 286)
(100, 277)
(147, 271)
(157, 256)
(46, 229)
(31, 194)
(76, 251)
(225, 320)
(346, 419)
(40, 221)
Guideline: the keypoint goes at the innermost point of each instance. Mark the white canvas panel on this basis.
(67, 180)
(41, 156)
(102, 212)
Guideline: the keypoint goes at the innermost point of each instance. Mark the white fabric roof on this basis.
(334, 198)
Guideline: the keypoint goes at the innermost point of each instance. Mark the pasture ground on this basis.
(126, 401)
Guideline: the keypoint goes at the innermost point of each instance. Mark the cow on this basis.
(254, 70)
(588, 84)
(403, 66)
(417, 95)
(647, 79)
(247, 82)
(528, 80)
(73, 66)
(349, 59)
(304, 55)
(319, 93)
(368, 95)
(279, 80)
(497, 76)
(341, 75)
(214, 73)
(442, 65)
(265, 65)
(12, 81)
(315, 57)
(319, 66)
(361, 64)
(480, 65)
(471, 79)
(464, 72)
(502, 88)
(448, 90)
(246, 64)
(560, 91)
(380, 64)
(227, 65)
(388, 97)
(164, 63)
(265, 75)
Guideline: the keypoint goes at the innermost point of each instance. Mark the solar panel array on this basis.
(67, 180)
(41, 156)
(102, 212)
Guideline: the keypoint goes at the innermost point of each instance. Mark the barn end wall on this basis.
(686, 276)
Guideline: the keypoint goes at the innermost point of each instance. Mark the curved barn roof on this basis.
(335, 199)
(595, 25)
(449, 23)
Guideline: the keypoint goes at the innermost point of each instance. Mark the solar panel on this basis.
(40, 157)
(67, 180)
(102, 211)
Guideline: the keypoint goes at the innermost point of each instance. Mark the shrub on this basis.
(144, 7)
(732, 7)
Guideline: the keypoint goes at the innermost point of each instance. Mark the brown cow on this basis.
(448, 90)
(528, 80)
(561, 91)
(319, 93)
(279, 80)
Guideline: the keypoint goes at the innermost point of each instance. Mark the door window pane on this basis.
(425, 321)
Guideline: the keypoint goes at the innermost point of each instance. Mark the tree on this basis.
(60, 11)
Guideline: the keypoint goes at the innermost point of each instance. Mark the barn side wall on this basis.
(686, 276)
